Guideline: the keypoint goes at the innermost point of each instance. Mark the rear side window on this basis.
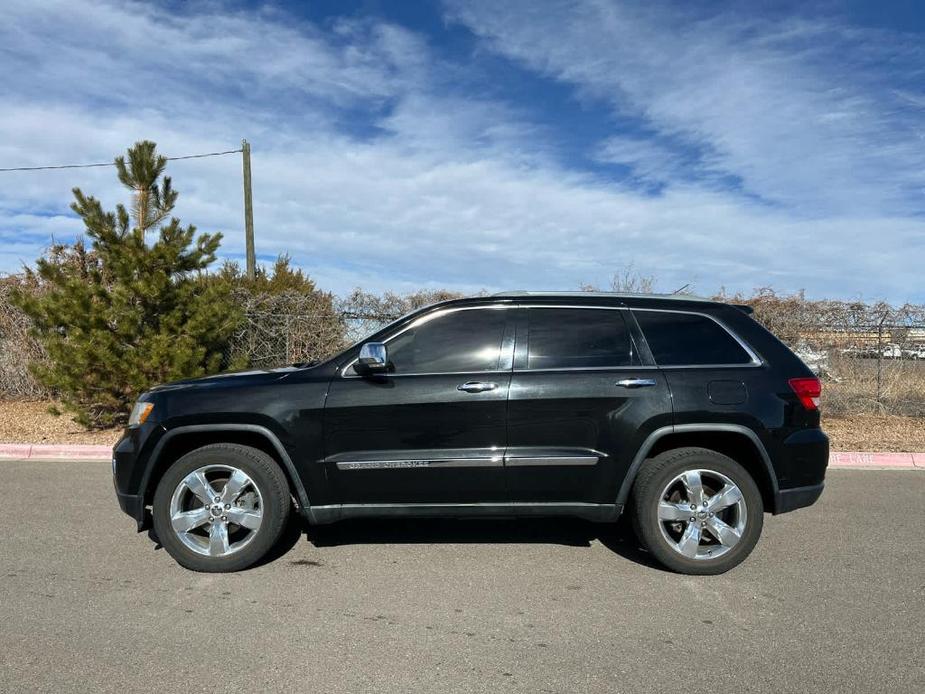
(687, 339)
(467, 340)
(577, 338)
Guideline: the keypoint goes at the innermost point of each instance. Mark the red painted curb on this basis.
(21, 451)
(838, 459)
(15, 450)
(874, 460)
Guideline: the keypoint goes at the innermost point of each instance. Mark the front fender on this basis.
(218, 428)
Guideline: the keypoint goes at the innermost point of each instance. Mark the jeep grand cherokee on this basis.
(683, 412)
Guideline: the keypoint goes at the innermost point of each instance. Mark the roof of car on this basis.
(604, 295)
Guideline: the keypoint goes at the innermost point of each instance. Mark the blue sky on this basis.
(475, 145)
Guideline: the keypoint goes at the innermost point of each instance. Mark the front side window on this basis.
(688, 339)
(562, 338)
(456, 341)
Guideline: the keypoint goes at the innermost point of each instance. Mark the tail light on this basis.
(808, 391)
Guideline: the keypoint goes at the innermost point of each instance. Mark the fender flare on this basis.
(652, 439)
(250, 428)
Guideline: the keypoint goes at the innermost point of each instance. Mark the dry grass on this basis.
(30, 422)
(902, 387)
(869, 432)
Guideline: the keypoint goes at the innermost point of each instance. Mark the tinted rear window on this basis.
(682, 339)
(577, 338)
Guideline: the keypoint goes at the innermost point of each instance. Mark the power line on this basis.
(110, 163)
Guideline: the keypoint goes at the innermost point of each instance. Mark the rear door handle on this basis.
(636, 382)
(476, 386)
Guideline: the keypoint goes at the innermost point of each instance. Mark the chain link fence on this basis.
(871, 356)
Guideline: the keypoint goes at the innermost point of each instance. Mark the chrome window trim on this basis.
(755, 360)
(426, 318)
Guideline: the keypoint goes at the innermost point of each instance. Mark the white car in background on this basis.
(817, 360)
(892, 351)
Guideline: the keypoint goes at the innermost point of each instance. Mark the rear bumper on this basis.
(801, 467)
(803, 459)
(797, 497)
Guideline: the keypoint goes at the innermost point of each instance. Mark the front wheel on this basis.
(221, 507)
(697, 511)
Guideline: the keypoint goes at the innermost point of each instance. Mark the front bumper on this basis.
(128, 471)
(134, 506)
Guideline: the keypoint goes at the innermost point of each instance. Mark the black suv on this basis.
(685, 412)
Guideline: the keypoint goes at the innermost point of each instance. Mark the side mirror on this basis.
(374, 358)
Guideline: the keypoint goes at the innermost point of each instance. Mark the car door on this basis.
(433, 429)
(582, 400)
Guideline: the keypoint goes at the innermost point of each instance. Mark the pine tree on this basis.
(128, 312)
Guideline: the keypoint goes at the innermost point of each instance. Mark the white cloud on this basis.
(440, 188)
(797, 110)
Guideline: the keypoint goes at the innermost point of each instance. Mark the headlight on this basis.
(140, 413)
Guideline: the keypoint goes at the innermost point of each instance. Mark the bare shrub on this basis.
(18, 348)
(628, 280)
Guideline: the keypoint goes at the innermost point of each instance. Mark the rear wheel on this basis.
(221, 507)
(697, 511)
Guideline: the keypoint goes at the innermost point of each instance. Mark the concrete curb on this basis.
(837, 460)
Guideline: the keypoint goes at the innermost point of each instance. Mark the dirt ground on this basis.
(30, 422)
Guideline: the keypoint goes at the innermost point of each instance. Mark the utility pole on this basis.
(248, 211)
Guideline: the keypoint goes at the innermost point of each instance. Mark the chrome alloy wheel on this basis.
(702, 514)
(216, 510)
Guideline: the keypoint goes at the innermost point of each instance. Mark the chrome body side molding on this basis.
(517, 461)
(517, 458)
(496, 461)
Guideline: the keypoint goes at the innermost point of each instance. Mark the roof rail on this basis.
(612, 295)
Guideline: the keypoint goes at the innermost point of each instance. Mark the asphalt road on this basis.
(833, 599)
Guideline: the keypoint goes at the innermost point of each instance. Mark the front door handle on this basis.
(636, 382)
(476, 386)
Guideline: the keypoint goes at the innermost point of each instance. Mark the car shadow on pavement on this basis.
(618, 537)
(572, 532)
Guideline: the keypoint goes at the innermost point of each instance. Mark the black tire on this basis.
(653, 478)
(266, 476)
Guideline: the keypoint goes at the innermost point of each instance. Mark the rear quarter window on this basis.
(689, 339)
